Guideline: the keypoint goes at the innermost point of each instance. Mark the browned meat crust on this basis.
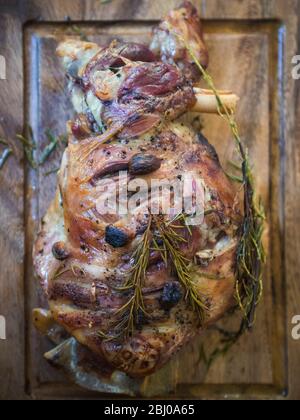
(81, 255)
(81, 289)
(186, 23)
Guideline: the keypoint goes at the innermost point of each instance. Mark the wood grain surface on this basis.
(251, 43)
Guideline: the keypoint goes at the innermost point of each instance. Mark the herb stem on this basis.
(50, 148)
(250, 254)
(5, 155)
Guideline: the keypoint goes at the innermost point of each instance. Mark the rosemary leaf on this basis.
(52, 171)
(29, 146)
(63, 139)
(3, 142)
(250, 256)
(26, 142)
(181, 266)
(235, 165)
(79, 32)
(235, 178)
(5, 155)
(50, 148)
(127, 316)
(30, 158)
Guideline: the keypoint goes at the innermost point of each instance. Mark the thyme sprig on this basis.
(250, 257)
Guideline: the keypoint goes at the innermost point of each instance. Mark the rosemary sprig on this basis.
(235, 165)
(5, 155)
(226, 342)
(235, 178)
(170, 250)
(180, 264)
(29, 147)
(7, 152)
(50, 148)
(250, 256)
(52, 171)
(3, 142)
(135, 283)
(83, 37)
(30, 144)
(63, 139)
(169, 246)
(128, 315)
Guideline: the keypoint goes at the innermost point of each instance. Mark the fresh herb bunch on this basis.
(250, 257)
(161, 236)
(127, 317)
(29, 146)
(135, 307)
(180, 264)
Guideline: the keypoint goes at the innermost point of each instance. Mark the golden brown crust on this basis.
(81, 289)
(83, 256)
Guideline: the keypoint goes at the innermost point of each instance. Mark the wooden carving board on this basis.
(251, 45)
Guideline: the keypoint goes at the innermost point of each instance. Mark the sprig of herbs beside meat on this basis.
(29, 146)
(76, 30)
(250, 257)
(165, 238)
(6, 153)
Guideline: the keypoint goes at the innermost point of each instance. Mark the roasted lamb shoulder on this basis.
(128, 103)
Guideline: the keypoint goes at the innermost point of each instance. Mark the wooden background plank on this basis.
(286, 225)
(248, 56)
(292, 199)
(93, 10)
(12, 350)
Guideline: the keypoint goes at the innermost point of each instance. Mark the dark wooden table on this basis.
(252, 43)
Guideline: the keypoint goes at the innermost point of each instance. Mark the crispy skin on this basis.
(126, 103)
(81, 290)
(186, 23)
(123, 88)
